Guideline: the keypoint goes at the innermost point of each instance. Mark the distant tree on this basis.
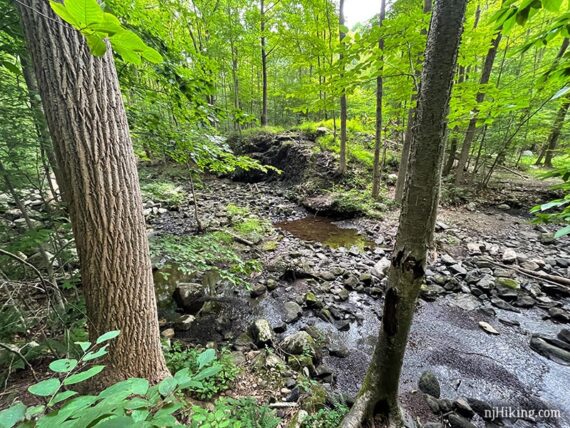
(343, 107)
(89, 129)
(379, 391)
(379, 89)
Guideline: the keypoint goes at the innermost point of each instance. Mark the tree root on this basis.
(360, 413)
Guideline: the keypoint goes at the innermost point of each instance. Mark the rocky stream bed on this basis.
(488, 331)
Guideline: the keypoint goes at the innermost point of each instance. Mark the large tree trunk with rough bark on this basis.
(343, 106)
(379, 88)
(379, 391)
(88, 124)
(472, 127)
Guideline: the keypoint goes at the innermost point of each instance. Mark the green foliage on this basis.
(132, 402)
(97, 26)
(326, 418)
(557, 210)
(232, 413)
(209, 252)
(179, 357)
(164, 192)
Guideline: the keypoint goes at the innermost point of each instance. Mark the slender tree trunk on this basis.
(555, 132)
(404, 159)
(450, 157)
(378, 137)
(89, 129)
(343, 107)
(472, 127)
(379, 391)
(263, 67)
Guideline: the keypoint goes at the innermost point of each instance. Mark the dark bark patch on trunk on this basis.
(390, 319)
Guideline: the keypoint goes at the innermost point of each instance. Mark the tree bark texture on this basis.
(379, 89)
(379, 392)
(343, 106)
(93, 148)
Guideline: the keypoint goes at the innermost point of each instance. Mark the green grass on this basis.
(165, 192)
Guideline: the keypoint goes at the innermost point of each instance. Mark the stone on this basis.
(431, 291)
(184, 322)
(504, 207)
(474, 248)
(508, 283)
(462, 407)
(292, 312)
(433, 404)
(564, 335)
(280, 327)
(554, 353)
(480, 407)
(380, 267)
(257, 290)
(429, 384)
(351, 282)
(530, 265)
(448, 260)
(456, 421)
(457, 268)
(298, 419)
(261, 332)
(188, 296)
(343, 325)
(486, 283)
(488, 327)
(525, 302)
(465, 302)
(509, 256)
(338, 350)
(559, 314)
(298, 343)
(312, 301)
(168, 333)
(501, 304)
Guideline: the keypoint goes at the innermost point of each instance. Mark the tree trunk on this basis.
(263, 67)
(555, 132)
(379, 391)
(378, 136)
(404, 159)
(89, 129)
(343, 108)
(450, 157)
(470, 133)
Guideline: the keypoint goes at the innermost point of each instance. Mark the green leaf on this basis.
(93, 355)
(132, 386)
(83, 345)
(108, 336)
(61, 397)
(562, 232)
(45, 388)
(152, 55)
(63, 366)
(116, 422)
(552, 5)
(82, 376)
(109, 25)
(61, 11)
(12, 415)
(167, 386)
(208, 372)
(561, 93)
(139, 415)
(84, 12)
(96, 44)
(34, 411)
(206, 358)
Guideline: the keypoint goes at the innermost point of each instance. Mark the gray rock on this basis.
(466, 302)
(486, 283)
(456, 421)
(554, 353)
(474, 248)
(338, 350)
(380, 267)
(184, 322)
(298, 343)
(257, 290)
(433, 404)
(504, 207)
(480, 407)
(188, 296)
(431, 291)
(448, 260)
(559, 314)
(429, 384)
(457, 268)
(462, 407)
(509, 256)
(292, 312)
(261, 332)
(564, 335)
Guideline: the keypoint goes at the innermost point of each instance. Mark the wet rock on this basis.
(292, 312)
(554, 353)
(261, 332)
(462, 407)
(501, 304)
(525, 302)
(257, 290)
(312, 301)
(338, 350)
(564, 335)
(380, 268)
(456, 421)
(189, 296)
(298, 343)
(430, 292)
(509, 256)
(325, 373)
(429, 384)
(559, 314)
(465, 302)
(480, 407)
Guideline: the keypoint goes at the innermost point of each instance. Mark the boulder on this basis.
(261, 332)
(380, 268)
(509, 256)
(429, 384)
(189, 296)
(292, 312)
(298, 343)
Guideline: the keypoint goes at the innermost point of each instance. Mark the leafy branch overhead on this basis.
(97, 26)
